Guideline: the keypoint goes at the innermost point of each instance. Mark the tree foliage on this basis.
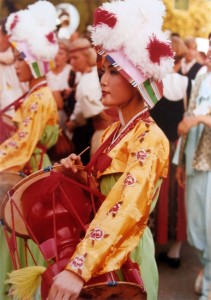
(85, 8)
(195, 21)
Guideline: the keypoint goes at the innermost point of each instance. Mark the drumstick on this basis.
(79, 167)
(83, 151)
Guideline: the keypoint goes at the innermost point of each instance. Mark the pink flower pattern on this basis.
(97, 234)
(13, 144)
(148, 122)
(78, 263)
(33, 107)
(142, 156)
(143, 135)
(130, 180)
(26, 121)
(114, 210)
(22, 134)
(39, 95)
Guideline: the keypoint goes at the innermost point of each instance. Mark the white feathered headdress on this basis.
(129, 33)
(31, 31)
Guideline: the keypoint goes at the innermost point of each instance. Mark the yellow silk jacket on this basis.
(140, 153)
(36, 112)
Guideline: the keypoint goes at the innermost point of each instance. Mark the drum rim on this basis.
(20, 175)
(113, 284)
(42, 173)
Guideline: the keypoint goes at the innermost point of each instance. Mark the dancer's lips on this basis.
(105, 93)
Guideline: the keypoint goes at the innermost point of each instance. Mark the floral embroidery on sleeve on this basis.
(26, 121)
(12, 144)
(97, 234)
(77, 263)
(143, 135)
(22, 134)
(130, 180)
(115, 209)
(142, 155)
(148, 122)
(33, 107)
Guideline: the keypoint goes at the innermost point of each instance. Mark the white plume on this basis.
(137, 22)
(32, 26)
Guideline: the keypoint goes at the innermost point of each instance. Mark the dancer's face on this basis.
(23, 71)
(116, 90)
(62, 57)
(79, 61)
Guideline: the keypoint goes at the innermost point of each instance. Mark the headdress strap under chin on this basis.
(121, 118)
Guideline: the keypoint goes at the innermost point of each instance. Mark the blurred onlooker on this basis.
(10, 87)
(58, 79)
(201, 57)
(189, 65)
(87, 95)
(209, 38)
(168, 112)
(194, 171)
(36, 117)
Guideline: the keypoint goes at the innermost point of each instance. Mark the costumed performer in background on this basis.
(10, 87)
(32, 35)
(33, 38)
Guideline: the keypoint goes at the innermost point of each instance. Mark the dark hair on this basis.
(2, 25)
(175, 34)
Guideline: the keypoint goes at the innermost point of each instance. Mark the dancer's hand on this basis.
(71, 162)
(66, 286)
(187, 123)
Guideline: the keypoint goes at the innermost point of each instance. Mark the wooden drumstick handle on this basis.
(84, 151)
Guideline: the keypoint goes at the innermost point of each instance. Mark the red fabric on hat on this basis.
(102, 16)
(158, 49)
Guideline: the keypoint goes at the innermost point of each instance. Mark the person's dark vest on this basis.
(193, 71)
(167, 114)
